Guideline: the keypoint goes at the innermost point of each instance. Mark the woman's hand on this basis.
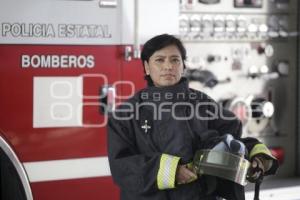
(258, 167)
(184, 175)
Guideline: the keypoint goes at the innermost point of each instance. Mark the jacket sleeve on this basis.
(132, 170)
(256, 148)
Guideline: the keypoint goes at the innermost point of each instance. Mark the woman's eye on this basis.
(160, 60)
(175, 60)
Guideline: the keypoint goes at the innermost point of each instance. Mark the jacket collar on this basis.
(173, 93)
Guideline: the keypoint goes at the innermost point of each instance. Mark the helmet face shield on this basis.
(221, 164)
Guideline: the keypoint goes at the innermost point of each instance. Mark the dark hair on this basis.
(159, 42)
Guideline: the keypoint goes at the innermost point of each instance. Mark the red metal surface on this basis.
(79, 189)
(16, 86)
(37, 144)
(278, 152)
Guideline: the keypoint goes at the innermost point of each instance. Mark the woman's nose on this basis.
(168, 65)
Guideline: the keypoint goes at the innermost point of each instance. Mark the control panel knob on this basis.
(195, 25)
(253, 71)
(183, 25)
(260, 49)
(265, 49)
(273, 24)
(261, 108)
(219, 24)
(211, 58)
(241, 24)
(230, 24)
(283, 67)
(239, 107)
(207, 25)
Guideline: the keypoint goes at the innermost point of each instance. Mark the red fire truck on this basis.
(62, 63)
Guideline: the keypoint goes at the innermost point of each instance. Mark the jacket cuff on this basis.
(264, 152)
(261, 149)
(167, 171)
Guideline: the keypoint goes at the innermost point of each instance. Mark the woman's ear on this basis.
(147, 68)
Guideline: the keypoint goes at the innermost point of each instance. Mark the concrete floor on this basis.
(276, 189)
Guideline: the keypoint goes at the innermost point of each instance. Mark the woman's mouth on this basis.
(167, 75)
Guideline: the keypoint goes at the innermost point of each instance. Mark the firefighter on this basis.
(153, 136)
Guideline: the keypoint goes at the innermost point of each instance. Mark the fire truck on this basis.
(64, 64)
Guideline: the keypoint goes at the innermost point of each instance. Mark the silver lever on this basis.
(108, 3)
(107, 99)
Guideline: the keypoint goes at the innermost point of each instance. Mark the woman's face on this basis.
(165, 66)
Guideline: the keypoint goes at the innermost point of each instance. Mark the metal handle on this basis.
(108, 3)
(107, 99)
(136, 46)
(128, 53)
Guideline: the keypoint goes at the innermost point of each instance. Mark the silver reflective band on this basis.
(221, 164)
(166, 173)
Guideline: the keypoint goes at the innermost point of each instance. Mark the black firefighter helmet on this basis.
(221, 162)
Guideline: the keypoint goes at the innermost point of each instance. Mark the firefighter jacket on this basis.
(159, 128)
